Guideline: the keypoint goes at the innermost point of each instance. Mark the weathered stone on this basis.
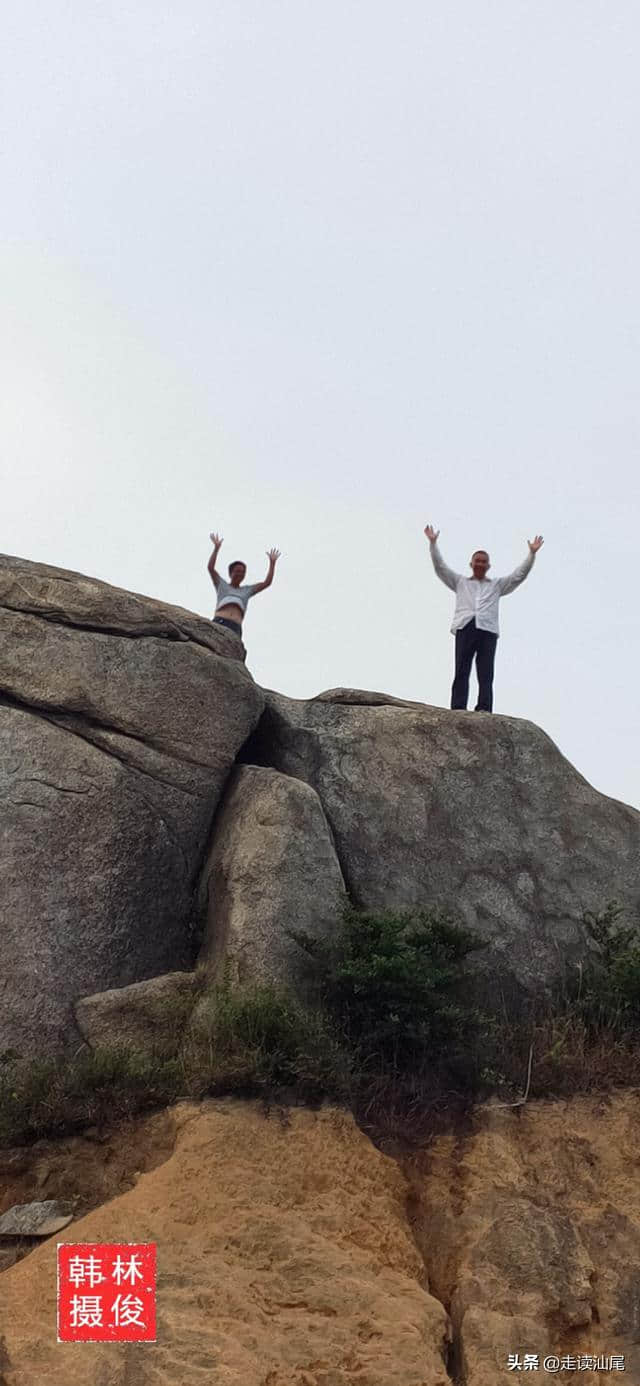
(285, 1258)
(271, 868)
(119, 723)
(145, 1016)
(479, 815)
(121, 719)
(34, 1219)
(72, 599)
(539, 1253)
(520, 1223)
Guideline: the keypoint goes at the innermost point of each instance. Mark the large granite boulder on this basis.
(478, 814)
(122, 722)
(271, 869)
(120, 719)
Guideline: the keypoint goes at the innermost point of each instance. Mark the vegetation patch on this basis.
(397, 1032)
(56, 1097)
(252, 1041)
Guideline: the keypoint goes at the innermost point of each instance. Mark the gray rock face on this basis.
(271, 867)
(34, 1219)
(481, 815)
(120, 719)
(145, 1016)
(71, 599)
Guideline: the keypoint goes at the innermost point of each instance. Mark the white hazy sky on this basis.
(314, 275)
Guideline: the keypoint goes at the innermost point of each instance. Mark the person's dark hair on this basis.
(237, 563)
(477, 551)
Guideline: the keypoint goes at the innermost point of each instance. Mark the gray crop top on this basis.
(234, 596)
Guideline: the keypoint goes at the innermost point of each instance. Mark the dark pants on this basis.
(230, 625)
(472, 642)
(233, 626)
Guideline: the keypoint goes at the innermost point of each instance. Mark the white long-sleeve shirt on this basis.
(478, 597)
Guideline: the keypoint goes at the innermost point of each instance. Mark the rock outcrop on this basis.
(479, 815)
(144, 1016)
(529, 1224)
(146, 782)
(120, 719)
(272, 869)
(284, 1256)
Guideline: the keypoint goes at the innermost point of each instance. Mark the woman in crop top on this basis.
(232, 598)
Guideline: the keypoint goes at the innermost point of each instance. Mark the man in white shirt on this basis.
(475, 620)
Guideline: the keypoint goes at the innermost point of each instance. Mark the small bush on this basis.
(258, 1038)
(393, 983)
(250, 1040)
(49, 1098)
(611, 984)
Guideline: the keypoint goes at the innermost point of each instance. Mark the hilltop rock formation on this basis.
(479, 815)
(120, 719)
(154, 800)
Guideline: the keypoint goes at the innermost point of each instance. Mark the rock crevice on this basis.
(481, 817)
(98, 886)
(171, 775)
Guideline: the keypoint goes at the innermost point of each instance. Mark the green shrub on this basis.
(394, 985)
(610, 992)
(248, 1040)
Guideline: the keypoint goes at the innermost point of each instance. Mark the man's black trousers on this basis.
(472, 642)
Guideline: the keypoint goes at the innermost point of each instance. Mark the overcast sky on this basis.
(316, 274)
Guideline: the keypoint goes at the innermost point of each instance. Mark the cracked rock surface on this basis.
(529, 1225)
(480, 815)
(120, 718)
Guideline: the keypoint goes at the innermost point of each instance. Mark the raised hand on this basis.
(431, 533)
(273, 555)
(535, 544)
(216, 540)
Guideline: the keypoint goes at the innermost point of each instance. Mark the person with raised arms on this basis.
(234, 595)
(475, 621)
